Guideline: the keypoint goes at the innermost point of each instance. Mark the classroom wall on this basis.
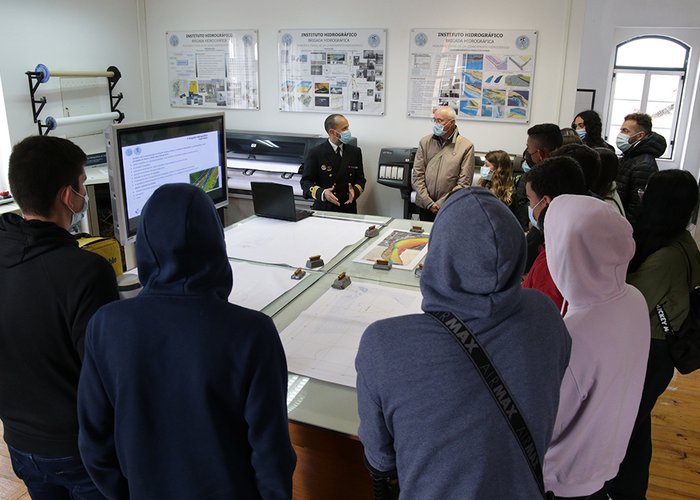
(559, 23)
(606, 24)
(88, 35)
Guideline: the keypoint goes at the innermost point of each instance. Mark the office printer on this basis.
(266, 157)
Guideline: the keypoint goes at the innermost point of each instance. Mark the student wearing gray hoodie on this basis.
(426, 416)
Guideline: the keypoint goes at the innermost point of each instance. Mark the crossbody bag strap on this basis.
(497, 387)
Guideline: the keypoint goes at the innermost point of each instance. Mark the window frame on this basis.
(648, 72)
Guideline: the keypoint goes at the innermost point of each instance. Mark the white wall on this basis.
(609, 23)
(85, 35)
(558, 22)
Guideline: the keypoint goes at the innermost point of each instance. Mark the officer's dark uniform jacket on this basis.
(323, 168)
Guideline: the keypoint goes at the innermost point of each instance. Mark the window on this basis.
(648, 77)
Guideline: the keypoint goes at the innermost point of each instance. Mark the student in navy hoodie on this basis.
(182, 394)
(426, 416)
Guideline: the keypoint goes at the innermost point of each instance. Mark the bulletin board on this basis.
(213, 69)
(332, 70)
(481, 74)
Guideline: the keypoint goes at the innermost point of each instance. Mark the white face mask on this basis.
(486, 173)
(78, 216)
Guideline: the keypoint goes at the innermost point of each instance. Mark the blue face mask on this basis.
(438, 130)
(581, 133)
(345, 136)
(486, 173)
(525, 167)
(78, 216)
(623, 141)
(531, 214)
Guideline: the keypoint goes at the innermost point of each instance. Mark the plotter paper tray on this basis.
(266, 157)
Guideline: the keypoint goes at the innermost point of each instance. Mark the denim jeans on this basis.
(54, 478)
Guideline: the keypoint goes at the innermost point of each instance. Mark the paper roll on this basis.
(52, 122)
(46, 73)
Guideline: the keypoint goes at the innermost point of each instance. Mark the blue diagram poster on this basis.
(481, 74)
(332, 70)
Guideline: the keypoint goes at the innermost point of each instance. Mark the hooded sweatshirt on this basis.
(588, 249)
(183, 395)
(50, 289)
(424, 410)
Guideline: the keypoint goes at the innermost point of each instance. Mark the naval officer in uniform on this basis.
(333, 174)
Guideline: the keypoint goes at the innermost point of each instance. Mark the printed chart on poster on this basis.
(403, 249)
(213, 69)
(481, 74)
(332, 71)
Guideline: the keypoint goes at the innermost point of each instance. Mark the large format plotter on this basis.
(266, 157)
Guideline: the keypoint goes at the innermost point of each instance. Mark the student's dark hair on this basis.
(587, 158)
(569, 136)
(642, 120)
(555, 176)
(594, 128)
(330, 121)
(547, 136)
(667, 204)
(39, 167)
(609, 165)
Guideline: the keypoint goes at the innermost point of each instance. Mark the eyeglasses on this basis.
(441, 121)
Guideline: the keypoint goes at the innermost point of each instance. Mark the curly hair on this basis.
(594, 128)
(501, 183)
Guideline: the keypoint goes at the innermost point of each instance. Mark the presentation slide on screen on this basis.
(193, 159)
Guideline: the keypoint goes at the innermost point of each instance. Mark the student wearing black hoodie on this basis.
(183, 394)
(50, 289)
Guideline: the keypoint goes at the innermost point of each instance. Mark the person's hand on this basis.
(351, 194)
(329, 196)
(434, 208)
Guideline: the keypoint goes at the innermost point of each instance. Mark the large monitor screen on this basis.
(144, 156)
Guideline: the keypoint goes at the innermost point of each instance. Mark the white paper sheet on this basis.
(255, 286)
(280, 242)
(322, 342)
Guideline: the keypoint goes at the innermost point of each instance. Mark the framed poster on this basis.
(213, 69)
(332, 71)
(585, 100)
(482, 74)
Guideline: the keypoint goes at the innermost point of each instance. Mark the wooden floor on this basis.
(675, 469)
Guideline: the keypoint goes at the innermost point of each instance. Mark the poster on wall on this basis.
(332, 71)
(213, 69)
(481, 74)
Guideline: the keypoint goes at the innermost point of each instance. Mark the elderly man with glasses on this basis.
(444, 163)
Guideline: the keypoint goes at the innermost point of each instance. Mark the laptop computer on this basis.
(276, 201)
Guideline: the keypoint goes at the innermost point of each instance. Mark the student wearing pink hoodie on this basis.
(589, 247)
